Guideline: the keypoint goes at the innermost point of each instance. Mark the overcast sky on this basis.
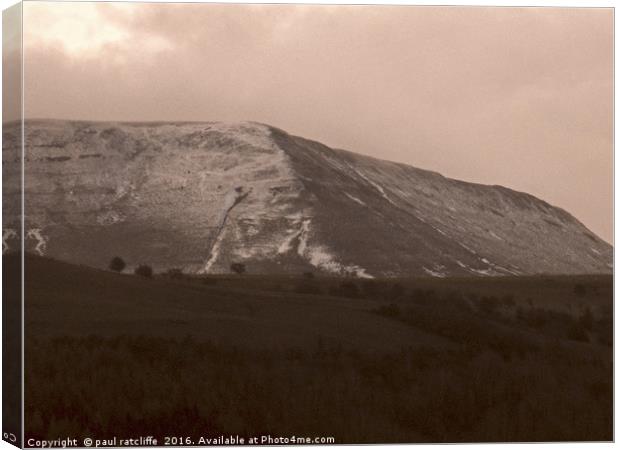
(520, 97)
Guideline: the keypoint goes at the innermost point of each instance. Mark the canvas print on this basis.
(262, 224)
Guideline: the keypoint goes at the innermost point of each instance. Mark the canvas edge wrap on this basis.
(12, 231)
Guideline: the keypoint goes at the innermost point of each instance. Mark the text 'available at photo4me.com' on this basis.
(178, 441)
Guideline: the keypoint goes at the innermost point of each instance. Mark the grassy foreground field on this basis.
(382, 361)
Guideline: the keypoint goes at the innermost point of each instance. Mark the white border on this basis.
(602, 4)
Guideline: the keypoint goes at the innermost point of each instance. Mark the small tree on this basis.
(175, 273)
(117, 264)
(144, 271)
(238, 268)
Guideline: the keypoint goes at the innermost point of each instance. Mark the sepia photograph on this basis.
(306, 224)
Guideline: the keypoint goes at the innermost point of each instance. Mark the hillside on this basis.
(63, 299)
(485, 359)
(199, 196)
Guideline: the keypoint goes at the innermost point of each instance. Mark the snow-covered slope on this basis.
(201, 196)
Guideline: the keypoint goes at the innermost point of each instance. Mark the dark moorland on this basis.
(364, 361)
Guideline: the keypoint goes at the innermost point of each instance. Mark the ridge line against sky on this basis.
(520, 97)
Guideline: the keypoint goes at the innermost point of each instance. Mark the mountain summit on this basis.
(200, 196)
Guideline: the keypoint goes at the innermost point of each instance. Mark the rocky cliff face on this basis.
(200, 196)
